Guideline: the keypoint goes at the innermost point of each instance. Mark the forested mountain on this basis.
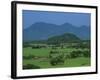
(64, 38)
(43, 31)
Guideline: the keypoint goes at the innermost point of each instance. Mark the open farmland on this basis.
(55, 57)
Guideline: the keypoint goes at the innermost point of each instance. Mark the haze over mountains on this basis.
(43, 31)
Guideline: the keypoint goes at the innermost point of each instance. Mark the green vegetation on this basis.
(65, 38)
(56, 52)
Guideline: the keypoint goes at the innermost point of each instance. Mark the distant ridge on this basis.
(43, 31)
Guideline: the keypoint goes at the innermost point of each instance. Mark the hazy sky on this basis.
(78, 19)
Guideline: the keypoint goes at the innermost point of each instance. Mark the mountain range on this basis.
(43, 31)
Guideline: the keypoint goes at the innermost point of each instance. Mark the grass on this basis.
(44, 62)
(43, 51)
(36, 52)
(77, 62)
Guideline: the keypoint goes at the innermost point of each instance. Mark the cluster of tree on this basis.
(56, 61)
(56, 58)
(79, 53)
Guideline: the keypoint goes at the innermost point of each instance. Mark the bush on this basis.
(68, 56)
(75, 54)
(86, 53)
(30, 66)
(56, 58)
(80, 53)
(28, 57)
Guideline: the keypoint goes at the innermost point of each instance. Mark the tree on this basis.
(86, 53)
(56, 58)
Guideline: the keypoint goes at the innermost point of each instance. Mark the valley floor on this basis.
(39, 59)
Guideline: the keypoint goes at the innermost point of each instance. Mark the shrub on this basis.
(74, 54)
(56, 58)
(31, 66)
(68, 56)
(28, 57)
(80, 53)
(86, 53)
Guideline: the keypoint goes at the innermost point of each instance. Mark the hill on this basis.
(43, 31)
(64, 38)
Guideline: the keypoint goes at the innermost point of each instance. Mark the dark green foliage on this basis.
(86, 53)
(52, 52)
(65, 38)
(68, 56)
(56, 58)
(30, 66)
(80, 53)
(75, 54)
(56, 51)
(29, 57)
